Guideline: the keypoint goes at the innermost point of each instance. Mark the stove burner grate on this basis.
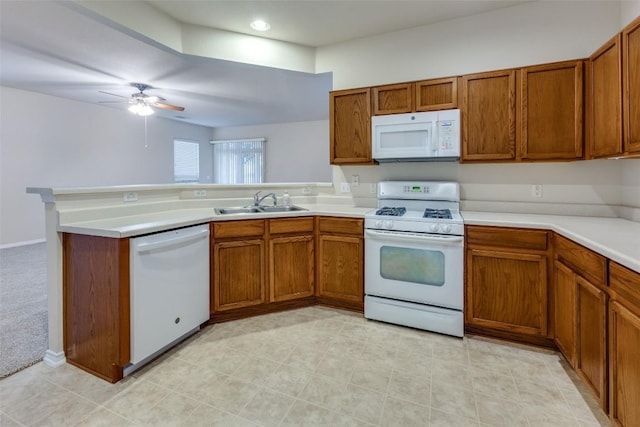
(437, 213)
(391, 211)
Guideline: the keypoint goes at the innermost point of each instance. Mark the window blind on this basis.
(238, 161)
(186, 161)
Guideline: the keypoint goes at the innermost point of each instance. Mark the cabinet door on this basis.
(631, 85)
(290, 267)
(552, 111)
(605, 100)
(436, 94)
(393, 99)
(340, 260)
(488, 111)
(592, 338)
(507, 291)
(350, 126)
(565, 311)
(624, 354)
(238, 272)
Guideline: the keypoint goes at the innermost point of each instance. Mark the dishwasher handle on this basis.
(162, 244)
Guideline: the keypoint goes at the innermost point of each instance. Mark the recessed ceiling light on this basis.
(260, 25)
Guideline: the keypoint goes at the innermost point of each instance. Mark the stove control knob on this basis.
(433, 228)
(446, 228)
(388, 224)
(378, 224)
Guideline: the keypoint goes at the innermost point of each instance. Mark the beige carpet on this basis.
(23, 307)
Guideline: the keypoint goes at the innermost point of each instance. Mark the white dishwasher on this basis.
(169, 289)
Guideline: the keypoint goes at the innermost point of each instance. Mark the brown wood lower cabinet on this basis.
(238, 279)
(96, 304)
(340, 261)
(592, 338)
(506, 283)
(624, 346)
(580, 322)
(291, 259)
(238, 264)
(624, 353)
(565, 311)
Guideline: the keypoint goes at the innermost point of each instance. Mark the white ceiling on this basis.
(55, 49)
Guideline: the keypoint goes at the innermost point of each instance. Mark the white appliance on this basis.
(424, 136)
(169, 289)
(414, 256)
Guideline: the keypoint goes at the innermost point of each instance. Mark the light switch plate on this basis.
(345, 187)
(200, 193)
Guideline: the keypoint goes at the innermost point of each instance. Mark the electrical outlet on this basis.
(355, 181)
(536, 191)
(372, 188)
(200, 193)
(345, 187)
(130, 197)
(306, 190)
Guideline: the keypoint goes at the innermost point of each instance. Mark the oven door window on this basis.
(421, 266)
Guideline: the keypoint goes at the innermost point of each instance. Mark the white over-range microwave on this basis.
(424, 136)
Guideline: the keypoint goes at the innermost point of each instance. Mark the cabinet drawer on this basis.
(507, 237)
(341, 225)
(243, 228)
(582, 260)
(291, 225)
(625, 283)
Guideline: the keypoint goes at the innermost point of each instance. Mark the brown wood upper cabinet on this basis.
(436, 94)
(551, 103)
(604, 100)
(488, 114)
(506, 281)
(393, 99)
(424, 95)
(350, 127)
(631, 86)
(613, 96)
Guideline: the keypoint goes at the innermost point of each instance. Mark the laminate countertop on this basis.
(615, 238)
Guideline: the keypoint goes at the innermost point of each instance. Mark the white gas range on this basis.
(414, 255)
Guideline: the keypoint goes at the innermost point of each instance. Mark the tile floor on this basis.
(313, 367)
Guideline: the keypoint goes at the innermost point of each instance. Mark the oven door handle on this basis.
(413, 237)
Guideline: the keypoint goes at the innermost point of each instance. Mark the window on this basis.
(186, 161)
(238, 161)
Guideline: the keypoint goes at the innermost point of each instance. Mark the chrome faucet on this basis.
(257, 199)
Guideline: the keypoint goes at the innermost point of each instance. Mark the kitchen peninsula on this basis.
(335, 222)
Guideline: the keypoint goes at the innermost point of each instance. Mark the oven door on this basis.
(421, 268)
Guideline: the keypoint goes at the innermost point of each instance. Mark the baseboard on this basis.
(25, 243)
(53, 359)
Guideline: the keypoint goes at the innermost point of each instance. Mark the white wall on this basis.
(531, 33)
(295, 152)
(629, 10)
(54, 142)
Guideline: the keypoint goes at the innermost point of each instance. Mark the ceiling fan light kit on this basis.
(141, 109)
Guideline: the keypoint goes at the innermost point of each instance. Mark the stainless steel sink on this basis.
(291, 208)
(257, 209)
(239, 210)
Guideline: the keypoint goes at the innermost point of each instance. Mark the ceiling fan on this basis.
(141, 103)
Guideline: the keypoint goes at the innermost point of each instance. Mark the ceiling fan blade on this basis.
(113, 94)
(167, 106)
(153, 99)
